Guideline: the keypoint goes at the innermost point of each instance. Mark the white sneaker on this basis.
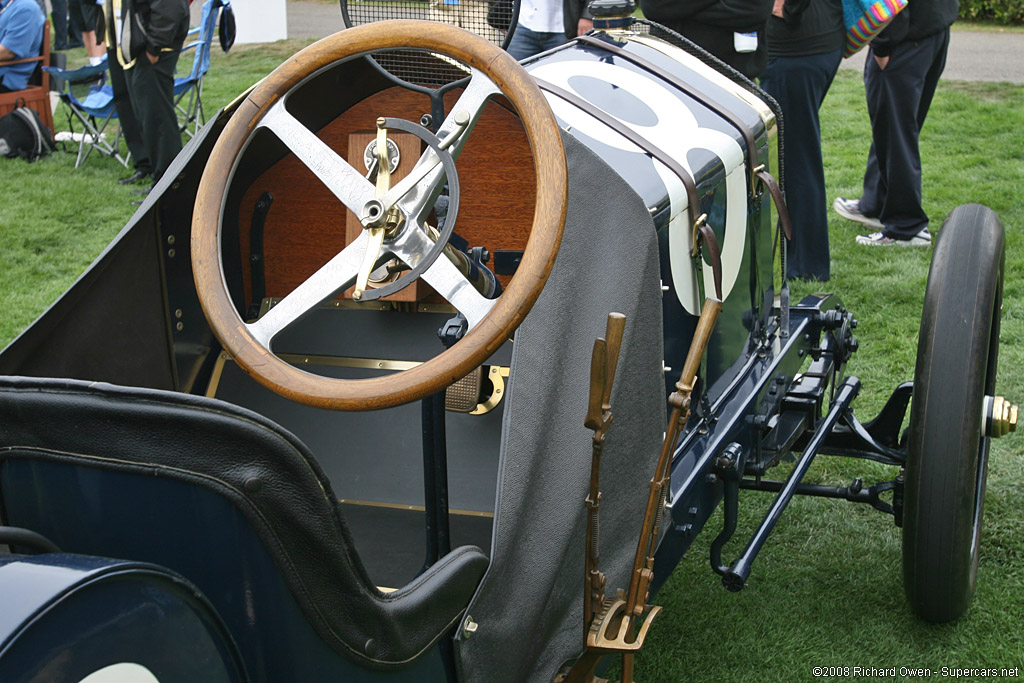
(850, 208)
(877, 239)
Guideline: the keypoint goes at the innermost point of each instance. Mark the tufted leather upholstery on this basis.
(265, 473)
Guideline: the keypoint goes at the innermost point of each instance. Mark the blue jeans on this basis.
(526, 43)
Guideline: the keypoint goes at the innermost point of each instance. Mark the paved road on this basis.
(313, 19)
(973, 55)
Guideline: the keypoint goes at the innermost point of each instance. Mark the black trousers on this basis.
(799, 85)
(151, 88)
(130, 127)
(898, 99)
(66, 31)
(59, 15)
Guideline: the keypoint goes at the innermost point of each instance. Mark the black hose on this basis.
(25, 538)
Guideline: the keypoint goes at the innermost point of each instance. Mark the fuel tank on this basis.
(75, 619)
(687, 139)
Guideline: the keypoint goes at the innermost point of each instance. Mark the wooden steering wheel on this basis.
(491, 321)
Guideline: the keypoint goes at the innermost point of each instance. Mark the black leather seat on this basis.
(208, 489)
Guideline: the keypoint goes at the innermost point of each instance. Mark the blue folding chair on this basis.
(94, 109)
(188, 90)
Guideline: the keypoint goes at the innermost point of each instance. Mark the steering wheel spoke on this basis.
(325, 283)
(472, 101)
(344, 182)
(443, 276)
(415, 194)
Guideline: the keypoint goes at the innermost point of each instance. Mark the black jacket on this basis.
(735, 15)
(154, 26)
(919, 19)
(712, 23)
(572, 10)
(807, 27)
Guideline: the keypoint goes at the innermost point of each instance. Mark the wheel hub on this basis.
(999, 416)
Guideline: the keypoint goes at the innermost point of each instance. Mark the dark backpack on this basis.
(227, 25)
(23, 133)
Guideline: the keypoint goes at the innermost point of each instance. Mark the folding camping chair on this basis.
(190, 111)
(94, 110)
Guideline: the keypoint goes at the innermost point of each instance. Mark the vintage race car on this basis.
(337, 404)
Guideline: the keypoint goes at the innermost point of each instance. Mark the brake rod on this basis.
(736, 578)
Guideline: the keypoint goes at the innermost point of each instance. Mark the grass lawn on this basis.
(826, 590)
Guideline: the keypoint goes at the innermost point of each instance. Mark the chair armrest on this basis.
(81, 75)
(26, 60)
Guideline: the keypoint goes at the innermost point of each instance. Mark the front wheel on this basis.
(957, 356)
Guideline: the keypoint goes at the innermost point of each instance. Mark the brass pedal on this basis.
(610, 632)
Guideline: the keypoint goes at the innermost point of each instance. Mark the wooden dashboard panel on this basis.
(306, 224)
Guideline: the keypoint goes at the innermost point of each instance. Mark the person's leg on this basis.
(90, 23)
(526, 43)
(59, 15)
(549, 41)
(92, 49)
(126, 117)
(799, 85)
(931, 79)
(900, 91)
(151, 87)
(76, 24)
(873, 195)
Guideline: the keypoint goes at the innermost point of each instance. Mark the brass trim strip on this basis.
(376, 305)
(299, 359)
(497, 374)
(218, 370)
(413, 508)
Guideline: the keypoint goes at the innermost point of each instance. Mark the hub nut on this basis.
(999, 416)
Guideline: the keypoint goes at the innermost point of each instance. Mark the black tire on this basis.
(957, 355)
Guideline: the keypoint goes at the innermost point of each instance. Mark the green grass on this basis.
(986, 26)
(826, 590)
